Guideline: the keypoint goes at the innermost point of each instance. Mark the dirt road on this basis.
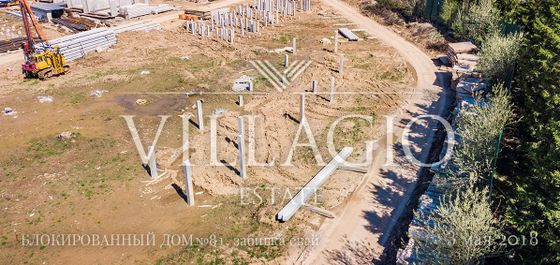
(358, 233)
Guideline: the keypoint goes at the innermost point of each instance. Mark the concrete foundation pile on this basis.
(313, 185)
(225, 24)
(79, 45)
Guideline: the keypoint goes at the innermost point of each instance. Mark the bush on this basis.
(407, 8)
(473, 23)
(478, 128)
(498, 56)
(462, 230)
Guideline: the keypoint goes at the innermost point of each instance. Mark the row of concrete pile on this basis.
(223, 24)
(79, 45)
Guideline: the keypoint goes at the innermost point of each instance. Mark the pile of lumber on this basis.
(75, 24)
(11, 45)
(462, 55)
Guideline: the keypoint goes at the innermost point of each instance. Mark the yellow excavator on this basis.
(6, 3)
(40, 63)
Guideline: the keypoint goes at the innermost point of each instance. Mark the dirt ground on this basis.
(422, 33)
(93, 182)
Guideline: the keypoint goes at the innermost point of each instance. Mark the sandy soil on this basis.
(93, 183)
(358, 235)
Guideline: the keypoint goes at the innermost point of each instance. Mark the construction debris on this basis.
(10, 112)
(97, 93)
(45, 99)
(243, 83)
(46, 12)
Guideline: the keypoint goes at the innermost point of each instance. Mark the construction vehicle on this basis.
(6, 3)
(40, 62)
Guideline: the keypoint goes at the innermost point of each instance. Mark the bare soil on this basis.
(94, 183)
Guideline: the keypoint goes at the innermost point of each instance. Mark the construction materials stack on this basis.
(135, 10)
(139, 10)
(462, 56)
(79, 45)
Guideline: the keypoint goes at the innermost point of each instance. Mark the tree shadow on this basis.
(359, 252)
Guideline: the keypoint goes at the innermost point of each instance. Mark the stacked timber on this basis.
(73, 24)
(462, 55)
(12, 44)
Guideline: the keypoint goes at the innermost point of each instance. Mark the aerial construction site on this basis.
(227, 131)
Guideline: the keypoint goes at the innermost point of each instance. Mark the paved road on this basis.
(359, 231)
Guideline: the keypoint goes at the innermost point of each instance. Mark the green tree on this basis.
(462, 230)
(478, 128)
(534, 184)
(474, 22)
(498, 56)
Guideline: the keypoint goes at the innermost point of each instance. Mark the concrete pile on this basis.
(225, 24)
(79, 45)
(313, 185)
(348, 34)
(470, 90)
